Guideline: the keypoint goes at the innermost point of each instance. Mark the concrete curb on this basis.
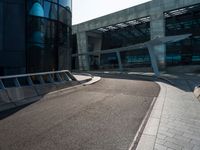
(92, 81)
(142, 126)
(148, 137)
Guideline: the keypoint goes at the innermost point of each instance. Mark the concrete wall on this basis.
(20, 93)
(16, 96)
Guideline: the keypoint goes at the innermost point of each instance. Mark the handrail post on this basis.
(16, 81)
(71, 76)
(58, 76)
(1, 84)
(119, 61)
(30, 82)
(66, 77)
(50, 78)
(41, 79)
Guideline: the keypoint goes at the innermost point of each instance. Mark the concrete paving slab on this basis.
(179, 122)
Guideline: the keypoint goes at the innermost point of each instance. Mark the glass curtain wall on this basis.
(123, 37)
(183, 21)
(48, 32)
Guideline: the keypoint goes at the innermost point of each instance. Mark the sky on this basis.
(84, 10)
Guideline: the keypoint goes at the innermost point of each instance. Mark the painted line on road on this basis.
(142, 126)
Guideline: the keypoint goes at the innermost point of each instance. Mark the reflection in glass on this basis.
(48, 32)
(66, 3)
(37, 10)
(63, 15)
(38, 38)
(50, 10)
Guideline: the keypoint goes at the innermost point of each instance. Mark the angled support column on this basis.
(30, 82)
(16, 81)
(154, 62)
(1, 84)
(119, 61)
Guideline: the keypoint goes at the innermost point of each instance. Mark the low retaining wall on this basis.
(20, 93)
(5, 102)
(17, 96)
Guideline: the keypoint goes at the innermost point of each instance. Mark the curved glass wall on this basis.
(48, 34)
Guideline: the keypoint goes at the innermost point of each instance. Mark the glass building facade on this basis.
(182, 21)
(35, 36)
(48, 34)
(122, 35)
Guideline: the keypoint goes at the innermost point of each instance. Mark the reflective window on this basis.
(48, 32)
(63, 15)
(55, 1)
(66, 3)
(126, 36)
(185, 52)
(37, 10)
(53, 11)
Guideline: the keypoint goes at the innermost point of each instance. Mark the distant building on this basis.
(34, 36)
(138, 24)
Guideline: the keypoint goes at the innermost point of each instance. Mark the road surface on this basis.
(102, 116)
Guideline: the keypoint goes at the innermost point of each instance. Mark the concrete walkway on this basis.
(174, 123)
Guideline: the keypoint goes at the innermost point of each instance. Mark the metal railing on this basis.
(35, 78)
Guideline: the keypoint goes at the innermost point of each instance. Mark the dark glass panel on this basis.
(186, 52)
(50, 10)
(50, 32)
(36, 30)
(47, 37)
(63, 34)
(55, 1)
(126, 36)
(63, 15)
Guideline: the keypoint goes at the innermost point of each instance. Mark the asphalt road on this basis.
(102, 116)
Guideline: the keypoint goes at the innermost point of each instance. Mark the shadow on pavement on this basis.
(12, 111)
(186, 82)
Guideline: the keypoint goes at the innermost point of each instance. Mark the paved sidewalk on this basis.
(174, 123)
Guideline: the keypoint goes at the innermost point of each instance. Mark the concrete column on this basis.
(157, 26)
(82, 42)
(95, 44)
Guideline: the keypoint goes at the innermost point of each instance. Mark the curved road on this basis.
(102, 116)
